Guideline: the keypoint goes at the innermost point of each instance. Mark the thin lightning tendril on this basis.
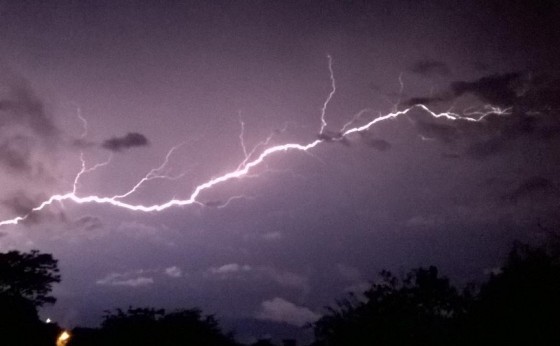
(242, 136)
(153, 174)
(328, 99)
(401, 89)
(86, 170)
(245, 167)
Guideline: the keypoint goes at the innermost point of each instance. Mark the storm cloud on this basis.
(130, 140)
(28, 132)
(20, 106)
(430, 68)
(498, 89)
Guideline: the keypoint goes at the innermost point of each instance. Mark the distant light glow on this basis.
(63, 338)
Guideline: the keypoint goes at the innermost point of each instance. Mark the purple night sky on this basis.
(123, 82)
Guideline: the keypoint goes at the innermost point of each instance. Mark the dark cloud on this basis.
(378, 144)
(427, 101)
(481, 66)
(487, 148)
(83, 143)
(524, 91)
(531, 186)
(446, 133)
(430, 68)
(533, 102)
(25, 128)
(130, 140)
(20, 106)
(450, 155)
(329, 136)
(22, 204)
(497, 89)
(15, 154)
(541, 92)
(214, 204)
(88, 223)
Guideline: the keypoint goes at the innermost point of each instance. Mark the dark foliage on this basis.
(263, 342)
(148, 326)
(517, 306)
(520, 305)
(29, 276)
(419, 310)
(25, 283)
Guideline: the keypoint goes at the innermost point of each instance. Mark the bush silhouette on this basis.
(149, 326)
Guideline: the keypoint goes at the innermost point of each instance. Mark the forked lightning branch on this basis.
(253, 158)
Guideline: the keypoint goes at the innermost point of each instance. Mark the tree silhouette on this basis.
(148, 326)
(520, 304)
(263, 342)
(418, 310)
(29, 276)
(25, 283)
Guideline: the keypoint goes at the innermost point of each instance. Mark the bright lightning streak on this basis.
(258, 145)
(242, 137)
(84, 124)
(328, 99)
(488, 109)
(355, 118)
(85, 170)
(153, 174)
(401, 89)
(246, 165)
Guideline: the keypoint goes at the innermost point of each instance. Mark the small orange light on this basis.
(63, 338)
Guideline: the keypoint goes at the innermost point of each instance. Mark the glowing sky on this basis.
(127, 82)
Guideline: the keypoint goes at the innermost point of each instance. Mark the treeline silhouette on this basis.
(148, 326)
(518, 305)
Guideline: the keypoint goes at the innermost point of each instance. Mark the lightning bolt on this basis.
(153, 174)
(329, 98)
(251, 159)
(86, 170)
(242, 136)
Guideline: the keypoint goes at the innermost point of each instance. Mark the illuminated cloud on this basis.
(263, 273)
(174, 272)
(272, 236)
(430, 68)
(281, 310)
(117, 279)
(230, 268)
